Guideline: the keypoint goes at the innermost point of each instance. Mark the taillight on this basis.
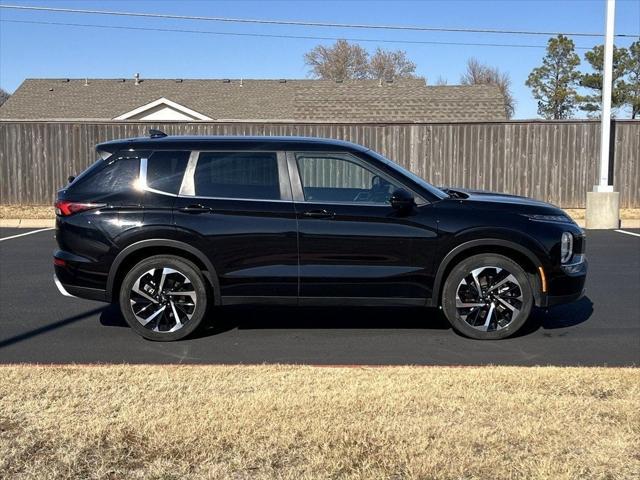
(59, 262)
(64, 208)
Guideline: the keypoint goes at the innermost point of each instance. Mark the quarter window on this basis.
(165, 170)
(341, 178)
(117, 174)
(237, 175)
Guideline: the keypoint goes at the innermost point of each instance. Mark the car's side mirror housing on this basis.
(402, 200)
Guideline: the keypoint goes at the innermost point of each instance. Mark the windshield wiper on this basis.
(454, 193)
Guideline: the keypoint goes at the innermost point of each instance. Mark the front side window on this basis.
(341, 178)
(166, 169)
(246, 175)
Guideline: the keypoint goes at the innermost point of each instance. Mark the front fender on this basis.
(474, 238)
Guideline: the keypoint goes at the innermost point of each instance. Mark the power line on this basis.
(308, 23)
(266, 35)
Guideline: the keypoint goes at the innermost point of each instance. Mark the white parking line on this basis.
(629, 233)
(23, 234)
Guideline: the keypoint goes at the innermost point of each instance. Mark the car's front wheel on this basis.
(487, 297)
(164, 298)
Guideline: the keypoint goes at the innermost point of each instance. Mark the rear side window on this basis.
(237, 175)
(165, 170)
(116, 175)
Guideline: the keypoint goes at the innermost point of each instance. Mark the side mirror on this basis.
(402, 200)
(70, 178)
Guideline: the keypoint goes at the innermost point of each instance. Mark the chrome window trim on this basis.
(237, 199)
(187, 186)
(353, 204)
(142, 174)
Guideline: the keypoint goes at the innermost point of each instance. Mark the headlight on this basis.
(566, 247)
(549, 218)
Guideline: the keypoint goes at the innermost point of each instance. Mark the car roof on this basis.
(231, 142)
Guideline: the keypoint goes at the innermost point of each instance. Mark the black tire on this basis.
(183, 285)
(502, 320)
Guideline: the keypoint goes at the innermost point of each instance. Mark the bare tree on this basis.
(480, 74)
(441, 81)
(4, 96)
(341, 61)
(389, 65)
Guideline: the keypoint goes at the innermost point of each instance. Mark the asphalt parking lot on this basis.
(37, 324)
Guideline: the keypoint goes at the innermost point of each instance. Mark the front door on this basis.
(352, 243)
(236, 207)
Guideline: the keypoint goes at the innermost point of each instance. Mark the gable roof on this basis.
(162, 102)
(406, 100)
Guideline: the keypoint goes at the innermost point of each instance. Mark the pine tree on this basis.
(632, 95)
(593, 81)
(554, 83)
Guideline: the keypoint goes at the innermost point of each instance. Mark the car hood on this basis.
(504, 201)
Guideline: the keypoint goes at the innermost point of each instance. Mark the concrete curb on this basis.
(27, 223)
(50, 223)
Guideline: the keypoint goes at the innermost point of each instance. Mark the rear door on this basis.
(237, 208)
(352, 243)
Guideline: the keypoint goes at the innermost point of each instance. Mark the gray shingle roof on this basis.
(407, 100)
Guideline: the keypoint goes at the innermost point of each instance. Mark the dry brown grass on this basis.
(288, 422)
(32, 212)
(625, 213)
(44, 212)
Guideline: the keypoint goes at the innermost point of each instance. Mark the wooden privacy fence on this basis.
(552, 161)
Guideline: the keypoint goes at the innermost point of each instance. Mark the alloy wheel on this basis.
(489, 298)
(163, 300)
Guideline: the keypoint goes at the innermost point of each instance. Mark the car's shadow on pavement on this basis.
(223, 319)
(560, 316)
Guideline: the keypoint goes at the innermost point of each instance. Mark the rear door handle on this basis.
(319, 214)
(195, 209)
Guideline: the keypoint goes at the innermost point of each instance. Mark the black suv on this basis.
(171, 226)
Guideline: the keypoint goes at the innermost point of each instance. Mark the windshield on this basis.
(412, 176)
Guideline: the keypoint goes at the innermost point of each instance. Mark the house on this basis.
(224, 100)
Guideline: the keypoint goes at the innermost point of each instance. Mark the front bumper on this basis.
(560, 299)
(567, 284)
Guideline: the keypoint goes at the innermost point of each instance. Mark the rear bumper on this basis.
(79, 292)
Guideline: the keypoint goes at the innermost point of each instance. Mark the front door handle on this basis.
(195, 209)
(319, 214)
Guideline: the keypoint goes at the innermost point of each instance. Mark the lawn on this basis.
(299, 422)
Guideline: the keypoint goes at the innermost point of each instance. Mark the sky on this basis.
(53, 51)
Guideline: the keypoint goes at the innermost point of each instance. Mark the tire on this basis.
(152, 312)
(502, 307)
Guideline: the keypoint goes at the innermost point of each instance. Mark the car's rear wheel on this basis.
(487, 297)
(164, 298)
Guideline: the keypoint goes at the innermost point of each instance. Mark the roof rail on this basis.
(153, 133)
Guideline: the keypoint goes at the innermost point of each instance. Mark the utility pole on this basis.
(603, 203)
